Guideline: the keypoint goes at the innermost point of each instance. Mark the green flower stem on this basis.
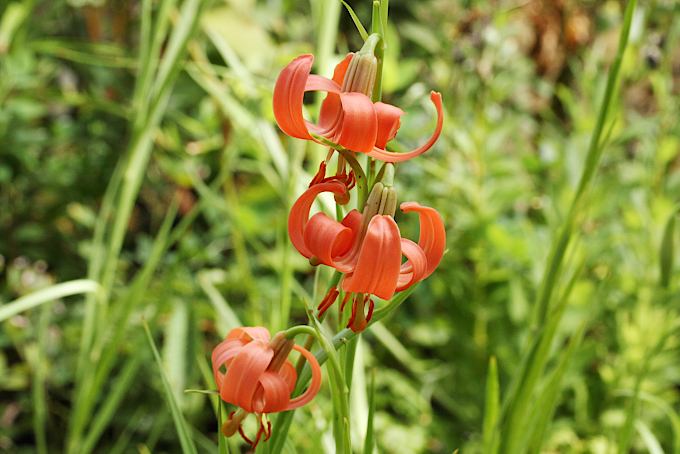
(379, 26)
(595, 149)
(290, 333)
(284, 420)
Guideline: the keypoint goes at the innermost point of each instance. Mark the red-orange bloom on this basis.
(253, 372)
(370, 259)
(348, 119)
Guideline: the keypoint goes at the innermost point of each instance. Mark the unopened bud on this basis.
(388, 201)
(362, 70)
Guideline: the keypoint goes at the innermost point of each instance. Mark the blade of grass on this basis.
(123, 439)
(149, 114)
(666, 252)
(183, 430)
(650, 441)
(357, 22)
(369, 441)
(225, 315)
(175, 348)
(42, 296)
(38, 391)
(120, 386)
(513, 433)
(107, 348)
(358, 395)
(12, 19)
(550, 395)
(626, 433)
(339, 391)
(593, 155)
(667, 409)
(491, 409)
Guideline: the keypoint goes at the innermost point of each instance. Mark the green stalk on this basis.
(595, 150)
(38, 390)
(150, 109)
(519, 403)
(284, 420)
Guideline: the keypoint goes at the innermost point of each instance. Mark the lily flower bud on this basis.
(362, 70)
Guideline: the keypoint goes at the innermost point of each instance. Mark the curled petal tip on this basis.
(388, 156)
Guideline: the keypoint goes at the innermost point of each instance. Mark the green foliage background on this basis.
(521, 82)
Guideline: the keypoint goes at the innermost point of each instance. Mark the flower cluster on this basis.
(366, 245)
(252, 371)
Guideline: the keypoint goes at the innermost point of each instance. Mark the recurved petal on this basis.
(379, 260)
(314, 385)
(288, 97)
(289, 375)
(242, 377)
(432, 238)
(389, 119)
(221, 356)
(359, 123)
(299, 213)
(247, 333)
(341, 69)
(272, 395)
(413, 270)
(388, 156)
(326, 238)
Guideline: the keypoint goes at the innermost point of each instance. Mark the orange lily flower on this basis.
(253, 372)
(367, 251)
(347, 119)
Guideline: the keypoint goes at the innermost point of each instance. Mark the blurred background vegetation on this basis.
(206, 245)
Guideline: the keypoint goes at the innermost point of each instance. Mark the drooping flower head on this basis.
(253, 372)
(367, 247)
(348, 118)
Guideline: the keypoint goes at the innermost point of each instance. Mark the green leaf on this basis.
(548, 398)
(491, 408)
(357, 23)
(666, 252)
(181, 425)
(54, 292)
(369, 441)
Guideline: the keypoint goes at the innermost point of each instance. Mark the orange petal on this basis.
(388, 156)
(288, 96)
(330, 108)
(221, 356)
(289, 375)
(327, 238)
(389, 119)
(247, 333)
(299, 213)
(272, 395)
(315, 384)
(359, 123)
(432, 239)
(377, 268)
(414, 269)
(241, 380)
(341, 69)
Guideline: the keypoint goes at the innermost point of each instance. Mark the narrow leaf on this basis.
(357, 23)
(181, 425)
(46, 295)
(491, 408)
